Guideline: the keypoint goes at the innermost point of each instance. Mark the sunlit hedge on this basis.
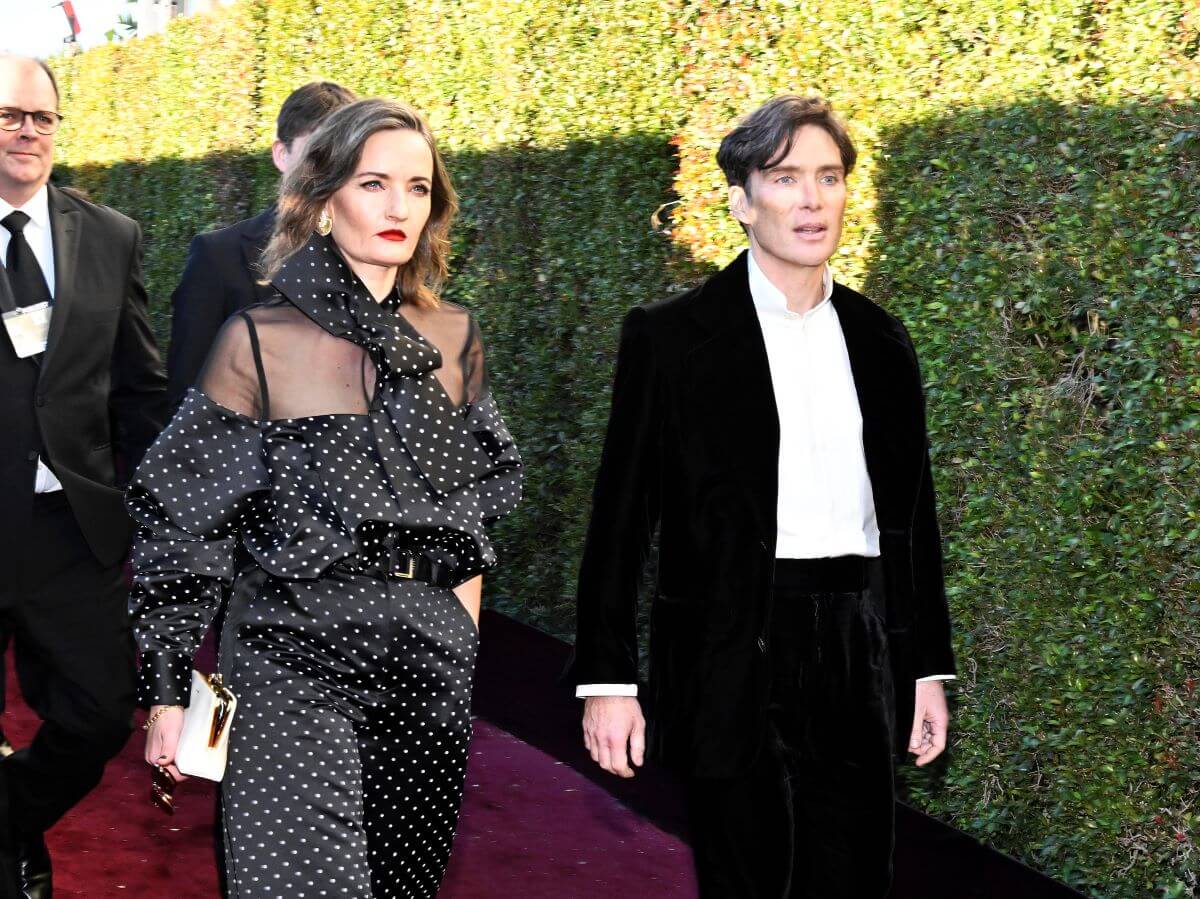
(1026, 202)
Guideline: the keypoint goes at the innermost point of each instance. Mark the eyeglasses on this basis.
(162, 788)
(44, 121)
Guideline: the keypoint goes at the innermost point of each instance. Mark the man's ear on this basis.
(738, 203)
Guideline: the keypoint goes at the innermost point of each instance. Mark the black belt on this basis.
(841, 574)
(404, 565)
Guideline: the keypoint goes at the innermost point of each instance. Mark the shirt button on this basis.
(33, 455)
(40, 399)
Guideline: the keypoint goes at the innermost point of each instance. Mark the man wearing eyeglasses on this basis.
(83, 393)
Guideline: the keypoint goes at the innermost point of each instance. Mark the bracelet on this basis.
(150, 721)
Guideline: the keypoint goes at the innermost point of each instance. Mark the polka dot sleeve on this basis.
(190, 499)
(499, 490)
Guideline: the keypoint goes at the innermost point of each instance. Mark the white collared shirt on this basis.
(37, 232)
(825, 504)
(40, 238)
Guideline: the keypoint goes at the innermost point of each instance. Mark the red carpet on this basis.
(540, 819)
(531, 827)
(115, 843)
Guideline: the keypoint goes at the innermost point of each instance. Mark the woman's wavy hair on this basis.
(330, 159)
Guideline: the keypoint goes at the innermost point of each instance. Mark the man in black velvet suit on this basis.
(83, 398)
(221, 275)
(771, 424)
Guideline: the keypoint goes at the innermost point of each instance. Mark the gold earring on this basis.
(324, 223)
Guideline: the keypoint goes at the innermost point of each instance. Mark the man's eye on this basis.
(43, 118)
(7, 115)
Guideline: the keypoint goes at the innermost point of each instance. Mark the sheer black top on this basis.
(325, 428)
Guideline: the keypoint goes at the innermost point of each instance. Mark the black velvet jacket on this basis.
(693, 447)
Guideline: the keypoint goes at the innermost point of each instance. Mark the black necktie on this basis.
(24, 274)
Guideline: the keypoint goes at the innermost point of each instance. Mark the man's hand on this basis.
(930, 722)
(614, 732)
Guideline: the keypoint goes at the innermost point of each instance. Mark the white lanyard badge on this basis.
(28, 327)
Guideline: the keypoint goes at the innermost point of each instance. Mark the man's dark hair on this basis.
(764, 138)
(307, 106)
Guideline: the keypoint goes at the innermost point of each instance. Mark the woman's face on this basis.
(378, 215)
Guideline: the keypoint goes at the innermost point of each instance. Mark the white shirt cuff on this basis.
(938, 677)
(584, 690)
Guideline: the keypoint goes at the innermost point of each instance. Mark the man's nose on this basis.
(808, 196)
(27, 129)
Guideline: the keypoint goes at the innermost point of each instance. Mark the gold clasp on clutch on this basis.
(222, 706)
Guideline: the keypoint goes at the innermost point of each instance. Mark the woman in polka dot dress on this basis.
(342, 452)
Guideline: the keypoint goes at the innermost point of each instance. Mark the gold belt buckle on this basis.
(409, 572)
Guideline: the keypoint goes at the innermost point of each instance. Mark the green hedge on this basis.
(1027, 203)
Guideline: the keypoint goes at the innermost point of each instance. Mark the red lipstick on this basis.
(393, 234)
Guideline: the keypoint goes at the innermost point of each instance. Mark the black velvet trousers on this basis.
(814, 816)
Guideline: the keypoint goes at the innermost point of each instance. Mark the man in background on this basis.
(83, 398)
(221, 275)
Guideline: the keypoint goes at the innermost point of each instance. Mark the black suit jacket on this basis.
(219, 278)
(693, 448)
(97, 392)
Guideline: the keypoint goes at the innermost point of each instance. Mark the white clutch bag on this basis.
(204, 743)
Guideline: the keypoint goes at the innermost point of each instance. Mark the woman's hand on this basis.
(163, 737)
(470, 594)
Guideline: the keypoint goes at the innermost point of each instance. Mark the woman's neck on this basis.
(380, 280)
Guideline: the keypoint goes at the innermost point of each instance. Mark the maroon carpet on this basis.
(540, 818)
(531, 827)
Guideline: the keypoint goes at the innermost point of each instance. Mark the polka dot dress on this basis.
(349, 749)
